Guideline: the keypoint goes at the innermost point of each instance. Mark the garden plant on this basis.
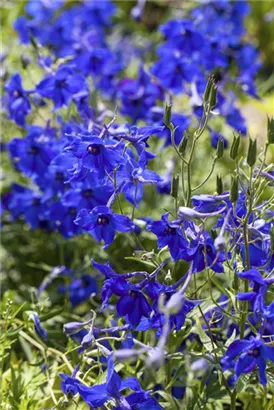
(137, 202)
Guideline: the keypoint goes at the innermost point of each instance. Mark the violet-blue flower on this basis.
(102, 223)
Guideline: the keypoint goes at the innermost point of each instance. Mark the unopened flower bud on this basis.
(189, 214)
(183, 145)
(213, 97)
(175, 186)
(175, 304)
(270, 130)
(40, 331)
(234, 150)
(87, 339)
(220, 243)
(210, 95)
(219, 185)
(234, 190)
(74, 327)
(167, 114)
(252, 152)
(207, 92)
(220, 148)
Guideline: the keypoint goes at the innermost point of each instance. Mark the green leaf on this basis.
(205, 339)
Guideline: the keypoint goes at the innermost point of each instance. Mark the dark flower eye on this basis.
(33, 150)
(87, 193)
(61, 83)
(103, 220)
(94, 149)
(170, 231)
(72, 210)
(59, 176)
(255, 352)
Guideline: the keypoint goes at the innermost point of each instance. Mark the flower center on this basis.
(16, 93)
(255, 352)
(94, 149)
(87, 193)
(59, 176)
(170, 231)
(33, 150)
(61, 83)
(72, 210)
(103, 220)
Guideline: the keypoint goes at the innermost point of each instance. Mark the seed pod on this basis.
(252, 152)
(220, 148)
(219, 184)
(183, 145)
(175, 186)
(234, 150)
(213, 97)
(207, 91)
(210, 94)
(167, 114)
(270, 130)
(234, 190)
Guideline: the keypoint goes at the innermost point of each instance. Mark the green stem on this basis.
(245, 304)
(207, 178)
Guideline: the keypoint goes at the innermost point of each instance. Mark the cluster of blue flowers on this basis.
(79, 166)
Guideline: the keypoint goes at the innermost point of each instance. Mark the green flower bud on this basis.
(252, 152)
(207, 91)
(270, 130)
(183, 145)
(175, 186)
(234, 150)
(167, 114)
(213, 97)
(220, 148)
(210, 94)
(234, 190)
(219, 185)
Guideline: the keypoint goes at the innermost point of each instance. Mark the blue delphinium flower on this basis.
(38, 328)
(174, 69)
(18, 103)
(259, 249)
(96, 154)
(80, 289)
(202, 251)
(132, 303)
(97, 395)
(169, 233)
(251, 353)
(33, 154)
(69, 385)
(138, 95)
(259, 285)
(135, 175)
(62, 86)
(102, 223)
(63, 217)
(88, 193)
(43, 9)
(22, 201)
